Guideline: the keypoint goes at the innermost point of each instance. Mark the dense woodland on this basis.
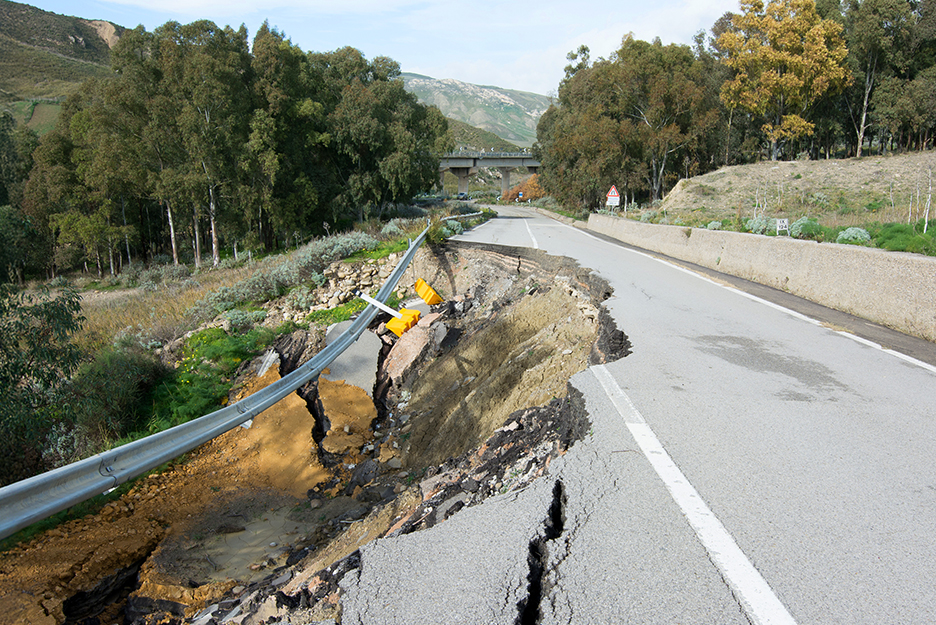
(782, 80)
(198, 140)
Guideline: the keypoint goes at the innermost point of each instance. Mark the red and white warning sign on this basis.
(614, 198)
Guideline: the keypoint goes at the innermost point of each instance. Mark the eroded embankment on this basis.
(265, 521)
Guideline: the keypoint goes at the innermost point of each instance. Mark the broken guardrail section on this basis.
(33, 499)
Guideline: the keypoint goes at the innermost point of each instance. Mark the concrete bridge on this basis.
(463, 164)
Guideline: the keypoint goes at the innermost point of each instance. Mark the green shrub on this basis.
(107, 399)
(757, 225)
(36, 355)
(905, 238)
(649, 216)
(202, 382)
(275, 277)
(438, 233)
(301, 298)
(244, 319)
(391, 230)
(455, 226)
(338, 313)
(714, 225)
(853, 236)
(796, 228)
(231, 263)
(409, 212)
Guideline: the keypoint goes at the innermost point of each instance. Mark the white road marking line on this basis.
(792, 313)
(757, 598)
(535, 244)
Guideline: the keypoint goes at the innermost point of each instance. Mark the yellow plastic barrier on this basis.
(426, 293)
(406, 320)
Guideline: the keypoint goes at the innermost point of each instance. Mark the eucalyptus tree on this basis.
(878, 33)
(384, 146)
(284, 149)
(207, 74)
(662, 92)
(626, 121)
(149, 136)
(784, 58)
(584, 143)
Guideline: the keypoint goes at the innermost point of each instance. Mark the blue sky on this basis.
(516, 45)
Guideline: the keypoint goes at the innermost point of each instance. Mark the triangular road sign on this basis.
(613, 192)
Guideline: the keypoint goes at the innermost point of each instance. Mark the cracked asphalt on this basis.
(745, 464)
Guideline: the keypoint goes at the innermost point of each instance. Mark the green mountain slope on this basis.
(511, 115)
(46, 55)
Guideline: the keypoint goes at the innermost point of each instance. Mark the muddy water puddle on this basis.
(249, 552)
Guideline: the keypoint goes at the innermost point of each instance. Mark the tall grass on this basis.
(160, 315)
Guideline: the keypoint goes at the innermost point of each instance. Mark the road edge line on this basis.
(758, 600)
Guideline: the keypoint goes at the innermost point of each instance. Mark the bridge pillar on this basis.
(462, 174)
(505, 180)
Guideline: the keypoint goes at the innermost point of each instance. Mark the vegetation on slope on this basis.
(857, 77)
(45, 55)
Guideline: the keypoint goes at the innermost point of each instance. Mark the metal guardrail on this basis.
(33, 499)
(482, 154)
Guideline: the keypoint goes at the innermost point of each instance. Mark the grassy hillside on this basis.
(837, 192)
(39, 116)
(45, 55)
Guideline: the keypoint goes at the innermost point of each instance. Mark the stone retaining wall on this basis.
(894, 289)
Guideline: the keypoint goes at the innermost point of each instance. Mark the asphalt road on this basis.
(746, 464)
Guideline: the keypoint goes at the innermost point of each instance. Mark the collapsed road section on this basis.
(468, 407)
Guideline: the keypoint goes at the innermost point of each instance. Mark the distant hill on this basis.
(46, 55)
(511, 115)
(474, 139)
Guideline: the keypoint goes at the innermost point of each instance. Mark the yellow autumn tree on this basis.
(530, 188)
(784, 58)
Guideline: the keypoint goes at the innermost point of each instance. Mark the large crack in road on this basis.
(478, 409)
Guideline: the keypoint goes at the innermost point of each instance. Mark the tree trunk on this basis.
(172, 237)
(728, 135)
(197, 237)
(656, 182)
(123, 209)
(212, 209)
(863, 124)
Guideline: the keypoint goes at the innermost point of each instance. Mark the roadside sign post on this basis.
(614, 198)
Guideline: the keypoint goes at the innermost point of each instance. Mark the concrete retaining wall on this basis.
(891, 288)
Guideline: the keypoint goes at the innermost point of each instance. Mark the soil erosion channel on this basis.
(264, 520)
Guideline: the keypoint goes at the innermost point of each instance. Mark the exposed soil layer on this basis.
(268, 519)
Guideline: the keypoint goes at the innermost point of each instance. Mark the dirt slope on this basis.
(243, 508)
